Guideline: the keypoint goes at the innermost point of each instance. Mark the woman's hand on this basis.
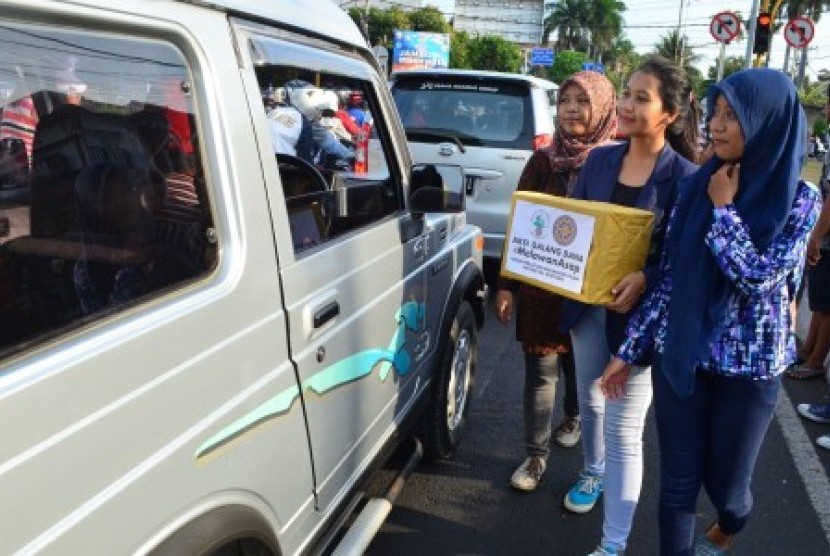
(612, 382)
(627, 292)
(504, 306)
(723, 185)
(813, 251)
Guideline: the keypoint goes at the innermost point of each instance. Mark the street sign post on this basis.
(382, 55)
(541, 57)
(799, 31)
(724, 27)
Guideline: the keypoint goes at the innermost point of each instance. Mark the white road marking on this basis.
(806, 460)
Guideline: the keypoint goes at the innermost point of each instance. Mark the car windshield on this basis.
(479, 112)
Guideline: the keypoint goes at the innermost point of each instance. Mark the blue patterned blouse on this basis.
(754, 340)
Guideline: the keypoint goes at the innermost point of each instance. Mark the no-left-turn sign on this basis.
(725, 26)
(799, 31)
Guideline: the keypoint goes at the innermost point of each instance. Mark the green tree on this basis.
(813, 94)
(731, 64)
(567, 18)
(492, 52)
(620, 60)
(460, 50)
(566, 63)
(820, 127)
(677, 48)
(429, 19)
(381, 23)
(605, 22)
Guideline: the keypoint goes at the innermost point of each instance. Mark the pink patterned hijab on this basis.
(568, 152)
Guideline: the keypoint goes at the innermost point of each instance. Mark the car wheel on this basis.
(446, 416)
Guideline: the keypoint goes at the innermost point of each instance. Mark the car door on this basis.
(351, 259)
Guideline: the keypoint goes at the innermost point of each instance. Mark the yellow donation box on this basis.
(578, 249)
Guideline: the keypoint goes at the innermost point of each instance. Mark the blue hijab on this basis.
(774, 131)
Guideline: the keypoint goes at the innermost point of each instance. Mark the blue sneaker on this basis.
(815, 412)
(824, 441)
(584, 494)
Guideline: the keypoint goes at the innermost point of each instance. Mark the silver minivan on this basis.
(208, 343)
(487, 122)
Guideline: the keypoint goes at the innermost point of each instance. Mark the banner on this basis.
(416, 49)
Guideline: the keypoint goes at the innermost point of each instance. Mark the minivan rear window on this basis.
(478, 111)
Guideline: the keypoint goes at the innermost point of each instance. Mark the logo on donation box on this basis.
(549, 245)
(564, 230)
(539, 222)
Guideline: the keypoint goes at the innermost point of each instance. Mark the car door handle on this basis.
(325, 314)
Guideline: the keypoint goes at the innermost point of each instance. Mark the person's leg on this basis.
(681, 431)
(591, 355)
(541, 375)
(569, 376)
(624, 423)
(568, 432)
(810, 338)
(741, 413)
(821, 344)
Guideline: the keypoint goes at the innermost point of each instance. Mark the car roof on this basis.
(544, 83)
(321, 17)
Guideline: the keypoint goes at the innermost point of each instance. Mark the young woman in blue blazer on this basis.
(656, 115)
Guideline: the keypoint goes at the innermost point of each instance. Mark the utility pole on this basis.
(680, 42)
(750, 33)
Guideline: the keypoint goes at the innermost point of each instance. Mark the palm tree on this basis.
(674, 47)
(605, 22)
(568, 19)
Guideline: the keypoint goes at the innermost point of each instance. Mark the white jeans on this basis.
(612, 431)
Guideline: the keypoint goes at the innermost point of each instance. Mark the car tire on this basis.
(445, 417)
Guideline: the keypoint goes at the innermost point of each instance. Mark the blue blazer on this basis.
(596, 183)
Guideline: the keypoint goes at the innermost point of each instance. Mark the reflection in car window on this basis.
(102, 199)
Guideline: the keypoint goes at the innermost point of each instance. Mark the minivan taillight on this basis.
(542, 140)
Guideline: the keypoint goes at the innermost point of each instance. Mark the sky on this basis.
(696, 18)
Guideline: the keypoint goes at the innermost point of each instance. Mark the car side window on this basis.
(102, 196)
(327, 136)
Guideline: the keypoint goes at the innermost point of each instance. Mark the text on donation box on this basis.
(549, 245)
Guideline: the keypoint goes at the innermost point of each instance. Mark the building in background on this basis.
(518, 21)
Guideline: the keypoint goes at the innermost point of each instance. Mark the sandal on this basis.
(800, 372)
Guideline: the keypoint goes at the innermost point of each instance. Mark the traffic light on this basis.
(762, 33)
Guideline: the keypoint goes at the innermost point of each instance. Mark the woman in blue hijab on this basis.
(718, 318)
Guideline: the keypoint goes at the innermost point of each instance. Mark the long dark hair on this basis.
(678, 98)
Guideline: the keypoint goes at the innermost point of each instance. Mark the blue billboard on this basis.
(417, 49)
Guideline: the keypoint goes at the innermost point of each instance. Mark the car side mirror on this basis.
(436, 188)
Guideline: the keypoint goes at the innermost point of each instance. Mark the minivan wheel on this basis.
(446, 416)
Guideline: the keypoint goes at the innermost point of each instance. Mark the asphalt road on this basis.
(466, 506)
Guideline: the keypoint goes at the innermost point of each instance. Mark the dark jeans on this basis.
(541, 375)
(711, 439)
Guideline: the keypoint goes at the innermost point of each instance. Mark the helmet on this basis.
(309, 100)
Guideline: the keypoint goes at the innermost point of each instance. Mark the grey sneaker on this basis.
(568, 432)
(529, 473)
